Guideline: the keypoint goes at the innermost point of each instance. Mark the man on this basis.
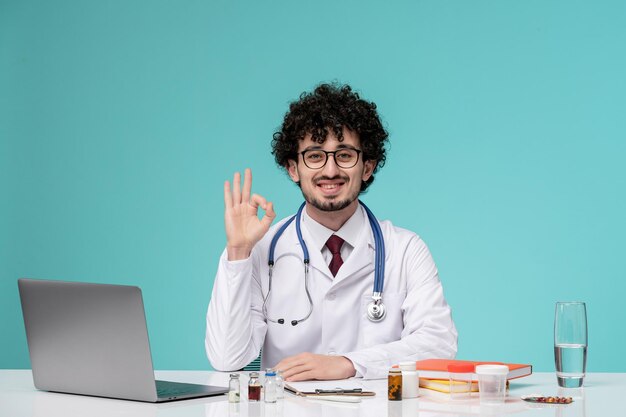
(315, 326)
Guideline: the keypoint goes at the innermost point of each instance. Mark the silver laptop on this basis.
(92, 339)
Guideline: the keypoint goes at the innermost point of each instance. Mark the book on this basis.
(438, 368)
(447, 386)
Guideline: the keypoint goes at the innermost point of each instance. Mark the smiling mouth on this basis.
(330, 189)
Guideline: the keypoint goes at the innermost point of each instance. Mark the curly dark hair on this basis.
(331, 106)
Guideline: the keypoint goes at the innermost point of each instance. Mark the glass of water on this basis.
(570, 343)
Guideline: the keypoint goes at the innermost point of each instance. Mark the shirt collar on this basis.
(349, 232)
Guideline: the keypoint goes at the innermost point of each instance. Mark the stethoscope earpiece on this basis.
(376, 310)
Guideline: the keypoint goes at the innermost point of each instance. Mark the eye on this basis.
(344, 155)
(314, 156)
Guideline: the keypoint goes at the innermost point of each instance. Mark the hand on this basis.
(243, 227)
(306, 366)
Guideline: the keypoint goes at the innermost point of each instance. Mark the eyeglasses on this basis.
(317, 158)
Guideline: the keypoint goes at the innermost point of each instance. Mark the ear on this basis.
(292, 169)
(368, 169)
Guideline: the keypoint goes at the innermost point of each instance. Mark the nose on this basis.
(331, 169)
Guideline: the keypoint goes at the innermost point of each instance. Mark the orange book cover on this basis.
(438, 368)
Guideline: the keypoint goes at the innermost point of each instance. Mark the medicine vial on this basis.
(394, 384)
(234, 390)
(280, 385)
(410, 380)
(270, 386)
(254, 387)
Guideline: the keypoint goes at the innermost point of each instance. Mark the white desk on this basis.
(601, 396)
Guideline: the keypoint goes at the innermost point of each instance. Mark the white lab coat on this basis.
(418, 324)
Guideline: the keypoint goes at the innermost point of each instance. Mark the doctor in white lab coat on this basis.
(332, 162)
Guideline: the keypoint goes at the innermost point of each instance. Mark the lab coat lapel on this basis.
(363, 255)
(361, 259)
(315, 255)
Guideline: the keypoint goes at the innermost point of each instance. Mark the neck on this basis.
(332, 219)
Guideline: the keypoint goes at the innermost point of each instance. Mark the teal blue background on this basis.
(119, 122)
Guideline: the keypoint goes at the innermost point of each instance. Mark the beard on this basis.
(330, 204)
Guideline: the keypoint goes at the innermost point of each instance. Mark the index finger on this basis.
(289, 362)
(304, 374)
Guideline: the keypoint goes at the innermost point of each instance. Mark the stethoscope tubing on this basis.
(379, 266)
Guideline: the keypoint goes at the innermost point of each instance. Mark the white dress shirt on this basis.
(349, 232)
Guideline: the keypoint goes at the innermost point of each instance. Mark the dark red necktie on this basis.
(334, 244)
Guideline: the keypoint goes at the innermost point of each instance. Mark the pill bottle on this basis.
(394, 384)
(410, 380)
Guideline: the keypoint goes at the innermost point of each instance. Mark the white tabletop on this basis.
(600, 396)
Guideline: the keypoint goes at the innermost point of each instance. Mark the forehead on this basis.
(350, 139)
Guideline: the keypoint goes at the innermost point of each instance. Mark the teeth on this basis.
(329, 186)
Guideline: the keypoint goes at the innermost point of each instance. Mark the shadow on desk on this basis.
(47, 404)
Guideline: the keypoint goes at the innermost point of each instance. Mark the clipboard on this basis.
(323, 388)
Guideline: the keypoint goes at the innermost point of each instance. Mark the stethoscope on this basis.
(375, 309)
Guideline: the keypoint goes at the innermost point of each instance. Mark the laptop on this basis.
(92, 339)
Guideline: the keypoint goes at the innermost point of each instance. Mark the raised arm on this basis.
(235, 323)
(243, 226)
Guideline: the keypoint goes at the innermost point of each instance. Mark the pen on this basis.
(338, 398)
(339, 391)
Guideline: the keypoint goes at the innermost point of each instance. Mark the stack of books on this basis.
(434, 373)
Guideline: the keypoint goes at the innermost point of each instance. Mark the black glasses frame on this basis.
(340, 165)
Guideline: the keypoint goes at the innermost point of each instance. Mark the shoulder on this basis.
(403, 243)
(399, 235)
(406, 250)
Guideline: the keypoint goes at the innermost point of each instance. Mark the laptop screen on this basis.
(88, 339)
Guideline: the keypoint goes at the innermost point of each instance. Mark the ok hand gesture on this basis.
(243, 227)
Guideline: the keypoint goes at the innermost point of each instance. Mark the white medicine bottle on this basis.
(410, 379)
(270, 386)
(234, 389)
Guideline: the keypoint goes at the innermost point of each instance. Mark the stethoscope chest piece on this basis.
(376, 310)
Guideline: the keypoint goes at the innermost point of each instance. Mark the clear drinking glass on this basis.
(570, 343)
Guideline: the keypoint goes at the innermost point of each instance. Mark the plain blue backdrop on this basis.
(119, 122)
